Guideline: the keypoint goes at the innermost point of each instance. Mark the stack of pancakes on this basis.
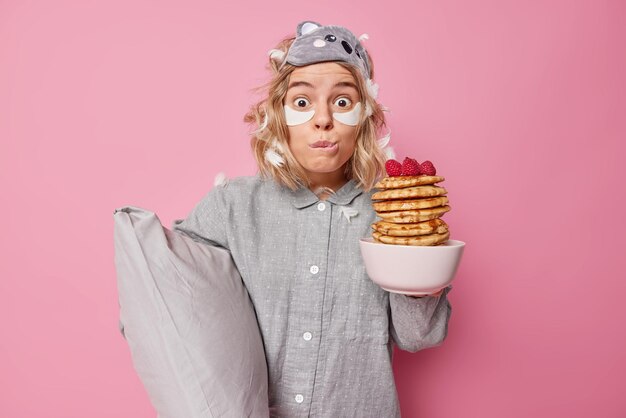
(410, 208)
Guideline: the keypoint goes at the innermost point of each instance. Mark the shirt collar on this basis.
(303, 196)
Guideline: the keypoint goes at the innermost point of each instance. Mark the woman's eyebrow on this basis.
(307, 84)
(299, 83)
(346, 84)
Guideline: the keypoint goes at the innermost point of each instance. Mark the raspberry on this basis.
(393, 167)
(428, 168)
(410, 167)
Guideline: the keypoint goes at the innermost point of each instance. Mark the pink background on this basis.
(520, 105)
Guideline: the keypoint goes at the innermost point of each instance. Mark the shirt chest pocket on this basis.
(368, 313)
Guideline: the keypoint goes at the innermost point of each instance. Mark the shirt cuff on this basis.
(444, 291)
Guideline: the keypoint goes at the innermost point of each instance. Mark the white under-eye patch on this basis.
(295, 117)
(349, 118)
(319, 43)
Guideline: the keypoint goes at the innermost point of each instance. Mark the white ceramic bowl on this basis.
(411, 269)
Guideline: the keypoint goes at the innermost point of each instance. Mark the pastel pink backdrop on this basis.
(519, 104)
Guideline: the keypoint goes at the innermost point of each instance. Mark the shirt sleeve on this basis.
(207, 221)
(419, 323)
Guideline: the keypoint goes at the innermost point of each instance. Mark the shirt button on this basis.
(299, 398)
(307, 336)
(314, 269)
(321, 206)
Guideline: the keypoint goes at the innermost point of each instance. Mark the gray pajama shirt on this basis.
(328, 330)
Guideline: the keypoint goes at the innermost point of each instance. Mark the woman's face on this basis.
(322, 109)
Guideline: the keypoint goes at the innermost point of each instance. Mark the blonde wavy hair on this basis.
(367, 163)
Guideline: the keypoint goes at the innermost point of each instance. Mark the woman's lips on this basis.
(325, 147)
(322, 144)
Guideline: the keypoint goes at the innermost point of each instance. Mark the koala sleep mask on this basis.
(316, 43)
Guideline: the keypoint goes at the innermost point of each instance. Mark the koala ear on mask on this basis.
(306, 27)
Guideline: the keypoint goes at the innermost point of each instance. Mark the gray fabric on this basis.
(189, 322)
(276, 237)
(336, 44)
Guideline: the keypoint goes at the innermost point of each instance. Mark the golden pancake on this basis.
(398, 182)
(409, 192)
(413, 216)
(390, 205)
(423, 240)
(434, 226)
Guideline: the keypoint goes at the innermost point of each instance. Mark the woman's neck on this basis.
(320, 181)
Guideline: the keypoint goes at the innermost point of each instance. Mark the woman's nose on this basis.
(323, 117)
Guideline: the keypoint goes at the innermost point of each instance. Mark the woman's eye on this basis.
(301, 102)
(343, 102)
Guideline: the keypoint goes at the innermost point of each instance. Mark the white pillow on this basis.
(189, 322)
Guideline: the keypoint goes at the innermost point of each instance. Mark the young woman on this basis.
(293, 232)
